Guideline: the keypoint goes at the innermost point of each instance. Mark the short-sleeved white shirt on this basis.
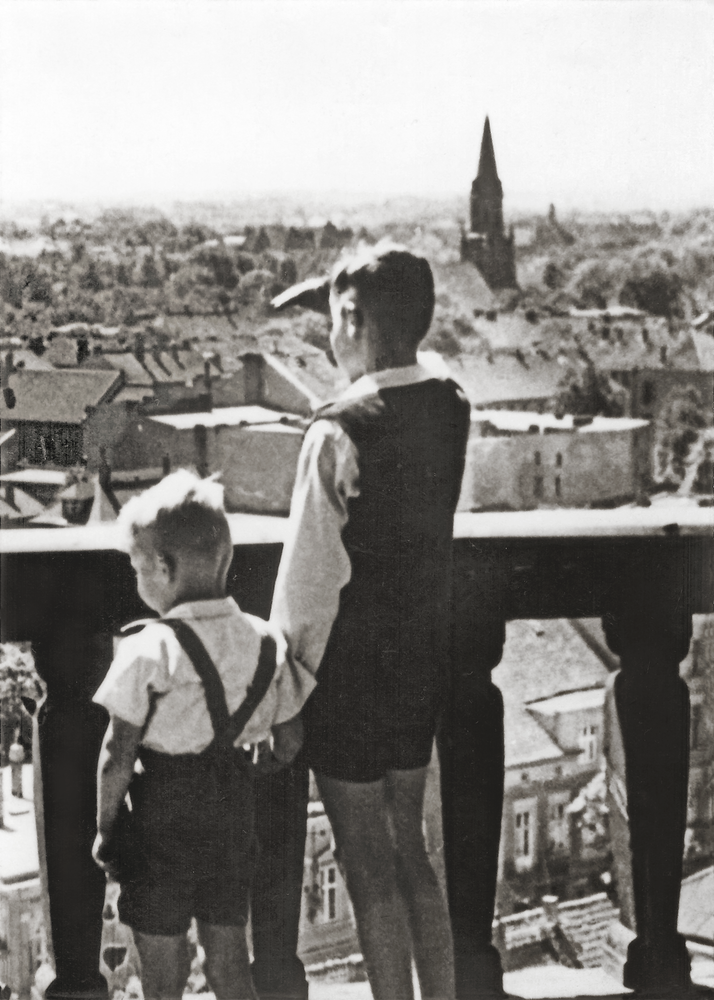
(151, 665)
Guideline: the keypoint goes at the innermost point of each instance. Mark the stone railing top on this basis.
(263, 529)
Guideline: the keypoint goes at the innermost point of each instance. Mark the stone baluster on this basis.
(70, 735)
(471, 754)
(650, 630)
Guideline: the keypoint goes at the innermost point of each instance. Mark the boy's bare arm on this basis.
(116, 766)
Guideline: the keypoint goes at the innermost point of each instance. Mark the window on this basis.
(524, 833)
(648, 393)
(536, 458)
(558, 490)
(558, 823)
(589, 744)
(559, 460)
(538, 490)
(331, 897)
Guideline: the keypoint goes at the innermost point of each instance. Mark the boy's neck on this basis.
(193, 593)
(381, 362)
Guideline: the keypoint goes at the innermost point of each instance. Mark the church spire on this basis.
(487, 160)
(486, 244)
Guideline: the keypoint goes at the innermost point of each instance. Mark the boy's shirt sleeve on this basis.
(139, 670)
(315, 566)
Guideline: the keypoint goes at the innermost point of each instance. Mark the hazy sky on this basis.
(594, 104)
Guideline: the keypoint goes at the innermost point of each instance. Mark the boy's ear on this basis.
(167, 562)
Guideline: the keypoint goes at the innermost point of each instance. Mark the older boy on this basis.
(173, 694)
(363, 597)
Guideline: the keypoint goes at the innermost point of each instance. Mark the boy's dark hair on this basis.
(395, 285)
(181, 514)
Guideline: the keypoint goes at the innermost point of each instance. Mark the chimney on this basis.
(139, 348)
(175, 355)
(253, 382)
(166, 464)
(10, 494)
(200, 443)
(105, 471)
(550, 907)
(207, 384)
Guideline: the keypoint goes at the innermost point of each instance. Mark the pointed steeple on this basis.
(487, 159)
(486, 244)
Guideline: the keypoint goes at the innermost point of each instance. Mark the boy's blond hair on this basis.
(181, 515)
(395, 285)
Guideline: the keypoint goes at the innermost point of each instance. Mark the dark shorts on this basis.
(194, 838)
(365, 753)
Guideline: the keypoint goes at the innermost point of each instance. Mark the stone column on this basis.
(650, 630)
(471, 756)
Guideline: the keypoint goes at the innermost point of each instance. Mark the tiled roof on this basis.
(24, 505)
(24, 358)
(696, 906)
(181, 367)
(505, 378)
(540, 659)
(7, 511)
(120, 361)
(58, 396)
(133, 394)
(311, 367)
(465, 284)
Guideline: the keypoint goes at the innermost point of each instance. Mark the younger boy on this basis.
(170, 706)
(363, 596)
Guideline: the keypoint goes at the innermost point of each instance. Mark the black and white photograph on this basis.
(356, 499)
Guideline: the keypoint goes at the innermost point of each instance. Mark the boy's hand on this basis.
(287, 739)
(100, 852)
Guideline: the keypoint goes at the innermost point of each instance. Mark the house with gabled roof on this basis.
(63, 417)
(553, 687)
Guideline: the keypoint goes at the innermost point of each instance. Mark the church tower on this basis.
(486, 244)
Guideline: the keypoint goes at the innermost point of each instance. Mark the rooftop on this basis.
(134, 373)
(569, 702)
(542, 660)
(522, 421)
(58, 396)
(41, 477)
(505, 377)
(696, 906)
(227, 416)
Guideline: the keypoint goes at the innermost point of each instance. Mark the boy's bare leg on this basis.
(359, 818)
(227, 961)
(165, 965)
(426, 907)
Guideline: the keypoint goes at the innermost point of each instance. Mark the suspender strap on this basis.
(226, 727)
(264, 673)
(206, 670)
